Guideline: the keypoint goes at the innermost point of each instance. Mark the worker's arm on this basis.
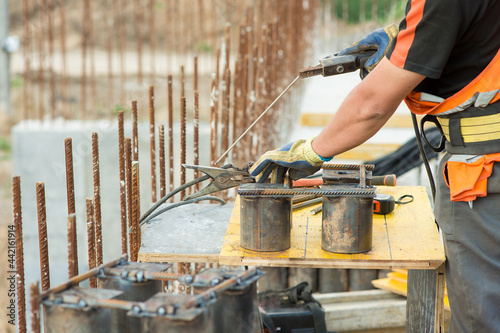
(366, 109)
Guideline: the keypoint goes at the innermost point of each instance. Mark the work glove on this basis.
(297, 157)
(379, 40)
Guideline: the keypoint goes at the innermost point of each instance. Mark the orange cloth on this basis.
(467, 181)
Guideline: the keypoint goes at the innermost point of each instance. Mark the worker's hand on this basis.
(298, 157)
(379, 40)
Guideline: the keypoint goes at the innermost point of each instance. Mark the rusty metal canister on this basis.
(265, 220)
(347, 223)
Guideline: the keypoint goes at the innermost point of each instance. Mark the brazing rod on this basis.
(256, 120)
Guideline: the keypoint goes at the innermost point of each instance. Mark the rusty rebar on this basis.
(19, 248)
(196, 139)
(170, 136)
(134, 251)
(91, 239)
(70, 182)
(135, 135)
(152, 143)
(35, 307)
(183, 145)
(128, 164)
(72, 247)
(161, 147)
(182, 81)
(213, 121)
(97, 198)
(123, 191)
(42, 236)
(235, 113)
(122, 41)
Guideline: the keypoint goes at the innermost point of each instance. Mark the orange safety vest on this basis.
(467, 180)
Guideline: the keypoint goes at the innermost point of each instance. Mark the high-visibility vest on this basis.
(467, 176)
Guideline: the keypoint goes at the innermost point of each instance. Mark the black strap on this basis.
(401, 202)
(456, 138)
(318, 316)
(432, 119)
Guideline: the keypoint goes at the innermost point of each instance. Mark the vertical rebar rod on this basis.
(72, 247)
(196, 122)
(135, 135)
(213, 120)
(128, 164)
(123, 191)
(35, 307)
(161, 147)
(234, 152)
(170, 136)
(42, 236)
(135, 212)
(97, 198)
(20, 278)
(91, 250)
(91, 46)
(182, 79)
(226, 104)
(183, 145)
(122, 41)
(70, 182)
(152, 143)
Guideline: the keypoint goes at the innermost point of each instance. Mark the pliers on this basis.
(221, 178)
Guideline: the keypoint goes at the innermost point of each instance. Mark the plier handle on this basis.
(221, 179)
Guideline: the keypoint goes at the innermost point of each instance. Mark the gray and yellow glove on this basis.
(298, 158)
(379, 40)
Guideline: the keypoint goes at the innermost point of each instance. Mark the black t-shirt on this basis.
(448, 41)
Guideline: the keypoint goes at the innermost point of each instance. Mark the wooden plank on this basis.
(354, 296)
(425, 308)
(395, 242)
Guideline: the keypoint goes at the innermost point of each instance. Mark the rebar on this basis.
(70, 182)
(35, 307)
(91, 46)
(183, 145)
(196, 122)
(213, 122)
(161, 147)
(135, 134)
(123, 191)
(152, 42)
(152, 143)
(306, 203)
(170, 136)
(182, 81)
(128, 163)
(42, 236)
(121, 46)
(136, 236)
(91, 240)
(18, 225)
(97, 198)
(72, 247)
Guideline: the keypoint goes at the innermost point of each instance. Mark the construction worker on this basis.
(445, 62)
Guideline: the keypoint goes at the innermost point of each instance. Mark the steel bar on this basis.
(135, 212)
(135, 134)
(70, 182)
(170, 136)
(35, 307)
(19, 248)
(161, 147)
(42, 236)
(196, 122)
(92, 62)
(122, 41)
(307, 203)
(91, 239)
(72, 247)
(183, 145)
(236, 90)
(150, 275)
(152, 143)
(182, 80)
(82, 277)
(97, 198)
(128, 164)
(213, 121)
(123, 190)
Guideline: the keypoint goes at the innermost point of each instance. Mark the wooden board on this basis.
(406, 238)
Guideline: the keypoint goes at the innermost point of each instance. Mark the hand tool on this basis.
(386, 180)
(383, 204)
(335, 64)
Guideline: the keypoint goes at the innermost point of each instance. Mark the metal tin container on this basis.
(347, 224)
(265, 220)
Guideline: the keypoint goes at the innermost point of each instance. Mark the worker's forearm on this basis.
(366, 109)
